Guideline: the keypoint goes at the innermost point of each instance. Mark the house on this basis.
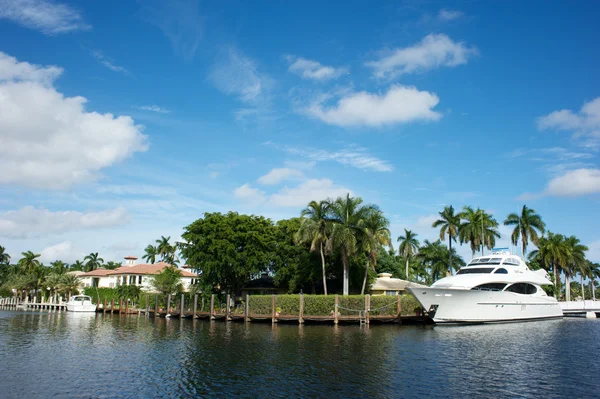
(133, 274)
(384, 284)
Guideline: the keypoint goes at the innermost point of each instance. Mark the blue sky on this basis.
(121, 121)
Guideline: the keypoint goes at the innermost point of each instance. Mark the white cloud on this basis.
(48, 140)
(313, 189)
(48, 17)
(249, 194)
(449, 15)
(62, 251)
(101, 58)
(434, 51)
(575, 183)
(401, 104)
(585, 123)
(277, 175)
(425, 222)
(33, 222)
(309, 69)
(154, 108)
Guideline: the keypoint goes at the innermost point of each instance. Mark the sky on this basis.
(121, 121)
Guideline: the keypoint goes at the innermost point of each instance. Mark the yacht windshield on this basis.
(476, 270)
(485, 261)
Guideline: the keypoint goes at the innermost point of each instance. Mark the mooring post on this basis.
(195, 305)
(169, 304)
(247, 308)
(399, 307)
(228, 307)
(112, 305)
(335, 311)
(212, 306)
(273, 301)
(147, 304)
(367, 307)
(120, 305)
(182, 306)
(104, 306)
(156, 305)
(126, 305)
(301, 310)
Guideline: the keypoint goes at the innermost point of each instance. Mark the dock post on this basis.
(169, 304)
(273, 301)
(104, 307)
(228, 308)
(247, 308)
(182, 306)
(367, 307)
(156, 306)
(335, 311)
(195, 306)
(399, 307)
(212, 306)
(112, 305)
(301, 310)
(126, 306)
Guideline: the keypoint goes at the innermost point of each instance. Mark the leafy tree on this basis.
(553, 254)
(166, 250)
(449, 224)
(29, 262)
(168, 281)
(478, 228)
(409, 247)
(594, 274)
(77, 266)
(433, 256)
(53, 283)
(151, 252)
(315, 229)
(576, 262)
(376, 234)
(70, 283)
(348, 215)
(93, 262)
(527, 226)
(111, 265)
(59, 267)
(4, 257)
(229, 249)
(128, 291)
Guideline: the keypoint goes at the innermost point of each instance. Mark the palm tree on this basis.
(315, 228)
(553, 254)
(151, 254)
(479, 229)
(93, 262)
(4, 257)
(409, 246)
(59, 267)
(576, 262)
(77, 265)
(69, 283)
(53, 282)
(449, 224)
(594, 274)
(29, 262)
(111, 265)
(376, 234)
(348, 216)
(527, 226)
(433, 256)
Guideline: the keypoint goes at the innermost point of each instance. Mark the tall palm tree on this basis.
(59, 267)
(53, 282)
(594, 274)
(449, 223)
(4, 257)
(576, 262)
(409, 246)
(527, 227)
(29, 262)
(112, 265)
(77, 265)
(93, 261)
(553, 254)
(151, 252)
(376, 234)
(478, 228)
(315, 229)
(69, 283)
(433, 256)
(164, 247)
(348, 215)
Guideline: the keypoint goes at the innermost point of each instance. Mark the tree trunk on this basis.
(582, 288)
(407, 269)
(362, 291)
(324, 274)
(556, 281)
(523, 248)
(593, 288)
(450, 250)
(567, 287)
(346, 264)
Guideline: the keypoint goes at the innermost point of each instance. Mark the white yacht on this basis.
(494, 288)
(81, 303)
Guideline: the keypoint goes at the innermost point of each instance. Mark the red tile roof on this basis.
(153, 268)
(96, 273)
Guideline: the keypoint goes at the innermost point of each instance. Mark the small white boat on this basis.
(81, 303)
(493, 288)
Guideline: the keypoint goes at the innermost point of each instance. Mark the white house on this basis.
(384, 284)
(133, 274)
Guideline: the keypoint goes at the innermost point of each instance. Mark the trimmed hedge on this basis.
(260, 304)
(288, 304)
(354, 302)
(382, 305)
(319, 305)
(409, 305)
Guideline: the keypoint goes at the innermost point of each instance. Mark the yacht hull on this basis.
(81, 308)
(452, 306)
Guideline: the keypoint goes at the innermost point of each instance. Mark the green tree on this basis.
(59, 267)
(348, 215)
(29, 262)
(70, 283)
(93, 262)
(553, 253)
(315, 229)
(53, 283)
(478, 228)
(111, 265)
(77, 266)
(151, 252)
(594, 274)
(576, 262)
(4, 257)
(229, 249)
(128, 292)
(376, 233)
(168, 281)
(433, 256)
(409, 247)
(527, 227)
(449, 224)
(167, 251)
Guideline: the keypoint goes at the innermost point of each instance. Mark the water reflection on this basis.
(89, 355)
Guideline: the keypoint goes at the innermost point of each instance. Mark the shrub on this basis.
(383, 305)
(356, 304)
(409, 305)
(260, 304)
(319, 305)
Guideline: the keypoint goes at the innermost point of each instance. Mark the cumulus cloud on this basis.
(62, 251)
(48, 140)
(48, 17)
(249, 194)
(34, 222)
(309, 69)
(575, 183)
(401, 104)
(277, 175)
(434, 51)
(585, 123)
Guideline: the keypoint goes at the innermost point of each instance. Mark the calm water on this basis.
(45, 355)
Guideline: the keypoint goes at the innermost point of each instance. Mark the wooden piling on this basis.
(126, 306)
(169, 304)
(104, 307)
(247, 308)
(273, 302)
(212, 307)
(195, 306)
(301, 310)
(335, 311)
(367, 308)
(156, 305)
(147, 304)
(399, 307)
(182, 306)
(228, 307)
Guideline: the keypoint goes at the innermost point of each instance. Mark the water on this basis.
(65, 355)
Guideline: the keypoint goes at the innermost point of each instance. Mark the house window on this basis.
(140, 280)
(391, 293)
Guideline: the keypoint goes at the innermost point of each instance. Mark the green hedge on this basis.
(319, 305)
(288, 304)
(354, 302)
(409, 305)
(383, 305)
(260, 304)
